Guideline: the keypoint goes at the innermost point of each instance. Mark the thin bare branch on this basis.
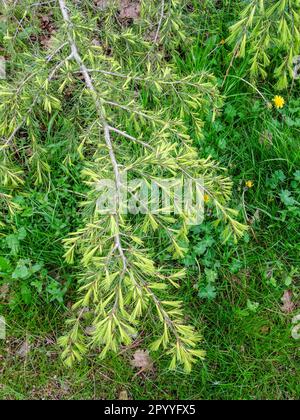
(127, 136)
(99, 107)
(160, 21)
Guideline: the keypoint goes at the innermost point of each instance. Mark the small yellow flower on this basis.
(222, 42)
(249, 184)
(206, 198)
(279, 102)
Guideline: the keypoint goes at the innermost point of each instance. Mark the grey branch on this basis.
(89, 83)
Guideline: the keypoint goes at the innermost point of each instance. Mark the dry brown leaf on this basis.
(265, 329)
(48, 31)
(123, 395)
(288, 305)
(4, 290)
(130, 9)
(46, 42)
(24, 349)
(142, 360)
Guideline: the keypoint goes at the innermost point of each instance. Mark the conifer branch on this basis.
(120, 277)
(89, 83)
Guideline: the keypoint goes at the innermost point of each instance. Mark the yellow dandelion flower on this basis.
(249, 184)
(222, 42)
(279, 102)
(206, 198)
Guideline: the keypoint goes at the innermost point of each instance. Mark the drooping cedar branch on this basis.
(114, 131)
(99, 107)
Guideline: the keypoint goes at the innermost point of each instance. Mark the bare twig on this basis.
(183, 81)
(160, 22)
(126, 108)
(59, 66)
(127, 136)
(49, 58)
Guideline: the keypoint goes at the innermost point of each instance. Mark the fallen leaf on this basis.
(24, 349)
(288, 305)
(48, 30)
(141, 359)
(130, 9)
(123, 396)
(46, 42)
(265, 329)
(4, 289)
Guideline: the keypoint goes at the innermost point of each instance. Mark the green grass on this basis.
(250, 352)
(249, 355)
